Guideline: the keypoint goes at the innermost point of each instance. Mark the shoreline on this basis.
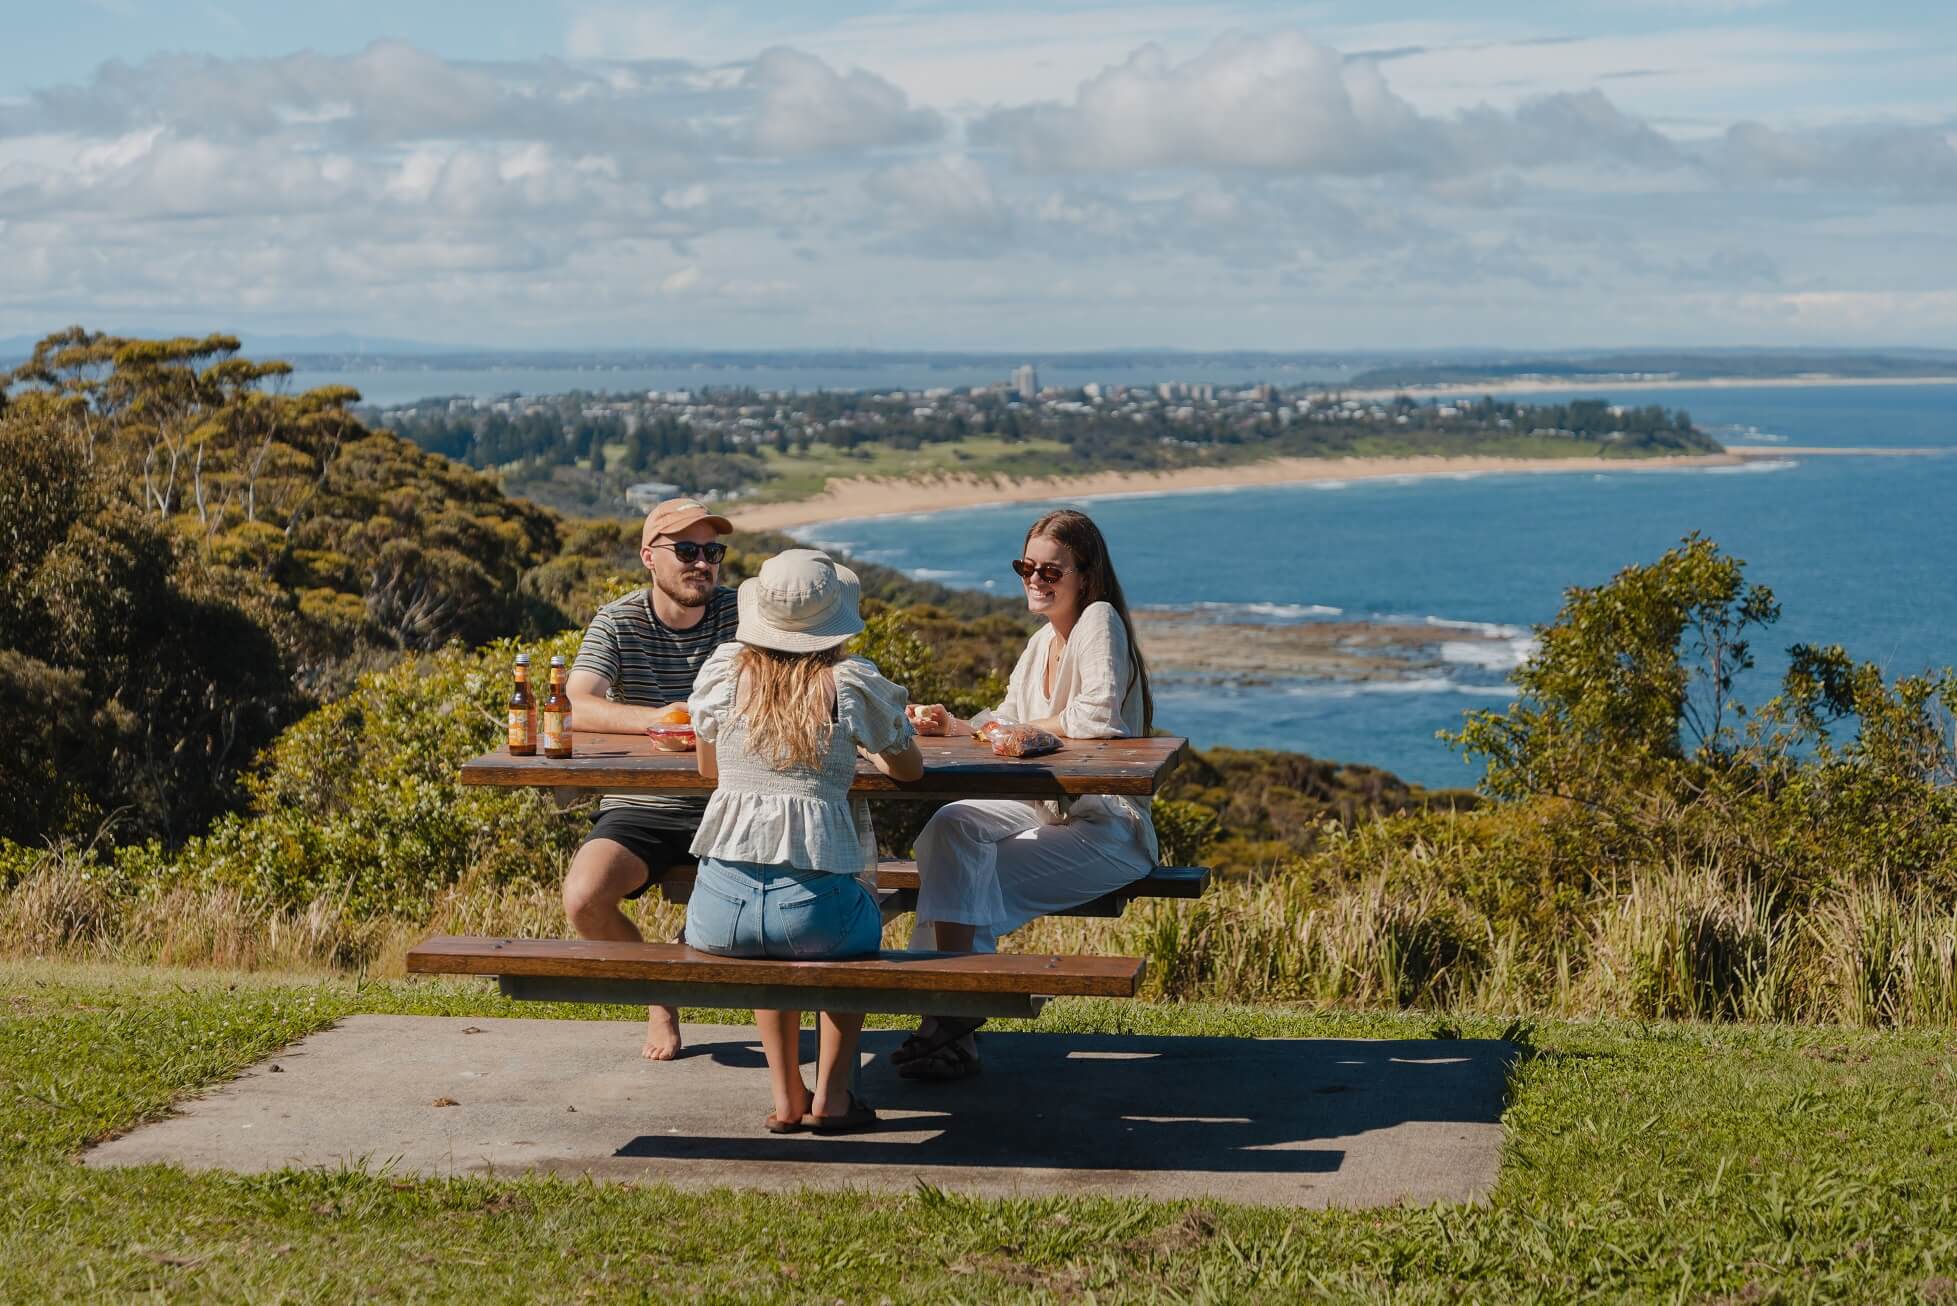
(858, 498)
(1543, 385)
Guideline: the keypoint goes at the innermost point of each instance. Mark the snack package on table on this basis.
(1011, 739)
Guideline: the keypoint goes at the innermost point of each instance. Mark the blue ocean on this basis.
(1858, 549)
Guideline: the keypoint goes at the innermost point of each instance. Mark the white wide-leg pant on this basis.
(996, 864)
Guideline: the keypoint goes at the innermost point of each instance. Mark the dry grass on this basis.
(1683, 941)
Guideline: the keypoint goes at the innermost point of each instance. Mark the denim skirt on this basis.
(746, 909)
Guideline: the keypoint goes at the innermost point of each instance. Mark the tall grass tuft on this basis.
(1687, 943)
(1886, 960)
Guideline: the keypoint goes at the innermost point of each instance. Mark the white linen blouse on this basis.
(802, 816)
(1096, 695)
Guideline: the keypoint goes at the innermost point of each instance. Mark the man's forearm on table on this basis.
(601, 716)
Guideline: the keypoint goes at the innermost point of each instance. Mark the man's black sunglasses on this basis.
(1050, 572)
(689, 553)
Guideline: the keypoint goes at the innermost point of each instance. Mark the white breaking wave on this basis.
(1283, 611)
(1492, 629)
(1752, 465)
(933, 573)
(1418, 685)
(1505, 655)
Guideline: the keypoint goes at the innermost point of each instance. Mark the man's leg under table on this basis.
(603, 874)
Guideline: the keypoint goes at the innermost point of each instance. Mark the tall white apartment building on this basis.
(1026, 380)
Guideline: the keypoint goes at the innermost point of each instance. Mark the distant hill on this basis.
(1679, 365)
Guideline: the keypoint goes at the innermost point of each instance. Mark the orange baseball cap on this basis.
(671, 516)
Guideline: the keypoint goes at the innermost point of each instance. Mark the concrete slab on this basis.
(1292, 1122)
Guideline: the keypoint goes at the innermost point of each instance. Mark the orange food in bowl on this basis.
(676, 715)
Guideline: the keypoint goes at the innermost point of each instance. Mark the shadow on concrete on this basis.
(1286, 1122)
(1131, 1102)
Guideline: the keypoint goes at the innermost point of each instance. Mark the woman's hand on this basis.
(932, 719)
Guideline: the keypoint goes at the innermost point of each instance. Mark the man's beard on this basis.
(686, 598)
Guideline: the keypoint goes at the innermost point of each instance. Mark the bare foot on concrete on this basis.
(662, 1034)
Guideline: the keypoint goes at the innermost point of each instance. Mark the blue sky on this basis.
(1700, 172)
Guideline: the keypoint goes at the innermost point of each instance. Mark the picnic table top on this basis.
(954, 768)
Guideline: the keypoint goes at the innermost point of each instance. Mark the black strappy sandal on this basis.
(921, 1045)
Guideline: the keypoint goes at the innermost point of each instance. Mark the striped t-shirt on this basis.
(650, 665)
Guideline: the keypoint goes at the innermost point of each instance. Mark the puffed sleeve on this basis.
(1099, 649)
(871, 707)
(712, 699)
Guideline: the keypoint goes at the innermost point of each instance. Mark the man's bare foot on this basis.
(662, 1034)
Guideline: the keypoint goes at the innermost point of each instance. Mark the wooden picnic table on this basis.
(954, 767)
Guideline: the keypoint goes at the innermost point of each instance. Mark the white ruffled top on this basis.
(802, 816)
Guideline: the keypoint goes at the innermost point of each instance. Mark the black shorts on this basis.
(658, 846)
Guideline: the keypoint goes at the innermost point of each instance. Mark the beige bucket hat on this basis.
(801, 602)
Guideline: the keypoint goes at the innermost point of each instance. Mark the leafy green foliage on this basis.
(359, 802)
(1624, 669)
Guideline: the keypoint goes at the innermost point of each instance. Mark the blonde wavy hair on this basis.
(787, 702)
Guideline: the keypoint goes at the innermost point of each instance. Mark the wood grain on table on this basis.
(954, 768)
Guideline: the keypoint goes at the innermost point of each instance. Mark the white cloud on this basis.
(807, 107)
(1277, 104)
(1911, 159)
(950, 189)
(678, 283)
(1283, 104)
(1186, 188)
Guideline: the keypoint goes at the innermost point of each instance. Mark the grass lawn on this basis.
(1644, 1161)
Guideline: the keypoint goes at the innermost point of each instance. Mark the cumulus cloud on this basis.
(389, 91)
(1284, 104)
(949, 193)
(363, 187)
(1279, 104)
(807, 107)
(1909, 158)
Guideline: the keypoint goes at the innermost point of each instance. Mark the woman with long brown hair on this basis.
(986, 867)
(780, 715)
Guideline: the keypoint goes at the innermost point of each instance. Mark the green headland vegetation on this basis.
(578, 452)
(245, 640)
(248, 640)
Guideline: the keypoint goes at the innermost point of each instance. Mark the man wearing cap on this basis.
(641, 654)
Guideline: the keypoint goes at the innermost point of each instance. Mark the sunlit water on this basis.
(1859, 550)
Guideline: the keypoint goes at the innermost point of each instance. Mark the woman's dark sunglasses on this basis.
(689, 553)
(1050, 572)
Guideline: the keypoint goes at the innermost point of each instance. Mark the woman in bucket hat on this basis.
(780, 715)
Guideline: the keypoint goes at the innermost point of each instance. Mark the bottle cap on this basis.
(523, 659)
(557, 661)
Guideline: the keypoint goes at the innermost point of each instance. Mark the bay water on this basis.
(1859, 550)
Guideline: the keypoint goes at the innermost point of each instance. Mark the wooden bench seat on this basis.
(897, 888)
(586, 970)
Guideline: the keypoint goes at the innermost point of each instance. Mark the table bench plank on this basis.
(1026, 973)
(954, 768)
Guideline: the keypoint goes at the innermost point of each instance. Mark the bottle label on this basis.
(557, 730)
(523, 728)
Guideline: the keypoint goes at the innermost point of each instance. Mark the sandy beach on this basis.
(870, 497)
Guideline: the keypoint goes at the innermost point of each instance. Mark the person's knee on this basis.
(593, 888)
(946, 831)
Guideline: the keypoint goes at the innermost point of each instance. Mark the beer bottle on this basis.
(556, 713)
(523, 712)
